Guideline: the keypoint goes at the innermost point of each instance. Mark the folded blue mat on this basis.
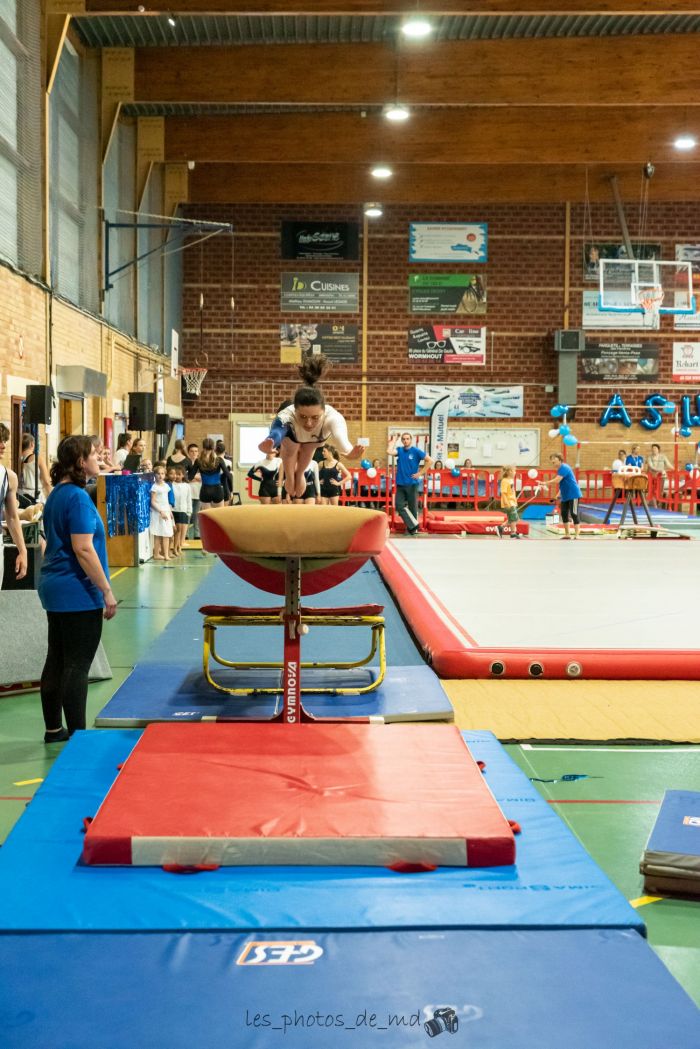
(43, 885)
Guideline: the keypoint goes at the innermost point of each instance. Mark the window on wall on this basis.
(20, 134)
(73, 179)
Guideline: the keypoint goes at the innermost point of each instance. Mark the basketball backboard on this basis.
(646, 286)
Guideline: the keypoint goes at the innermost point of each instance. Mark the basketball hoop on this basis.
(649, 298)
(193, 379)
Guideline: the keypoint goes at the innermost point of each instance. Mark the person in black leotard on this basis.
(332, 476)
(212, 471)
(267, 472)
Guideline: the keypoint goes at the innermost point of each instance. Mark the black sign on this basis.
(620, 361)
(320, 240)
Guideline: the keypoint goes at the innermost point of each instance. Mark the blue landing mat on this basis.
(501, 990)
(44, 887)
(182, 639)
(594, 513)
(177, 692)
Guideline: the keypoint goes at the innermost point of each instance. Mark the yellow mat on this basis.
(666, 711)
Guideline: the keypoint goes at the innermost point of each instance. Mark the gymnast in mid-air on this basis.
(305, 424)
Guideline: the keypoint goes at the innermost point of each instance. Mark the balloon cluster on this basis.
(564, 430)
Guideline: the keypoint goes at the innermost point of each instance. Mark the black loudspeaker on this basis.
(162, 425)
(34, 559)
(38, 405)
(142, 411)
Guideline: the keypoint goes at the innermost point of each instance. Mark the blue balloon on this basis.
(365, 464)
(570, 440)
(615, 412)
(558, 410)
(685, 431)
(653, 419)
(564, 429)
(669, 407)
(687, 417)
(688, 467)
(455, 471)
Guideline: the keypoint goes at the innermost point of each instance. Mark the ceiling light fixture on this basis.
(396, 112)
(417, 28)
(172, 21)
(381, 171)
(685, 142)
(374, 211)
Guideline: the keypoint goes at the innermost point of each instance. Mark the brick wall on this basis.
(526, 303)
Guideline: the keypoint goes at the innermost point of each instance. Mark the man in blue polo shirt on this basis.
(569, 494)
(411, 464)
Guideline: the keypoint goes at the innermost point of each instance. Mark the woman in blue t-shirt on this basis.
(74, 587)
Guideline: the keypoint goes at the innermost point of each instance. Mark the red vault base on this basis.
(265, 794)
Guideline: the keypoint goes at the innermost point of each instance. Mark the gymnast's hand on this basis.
(357, 451)
(268, 445)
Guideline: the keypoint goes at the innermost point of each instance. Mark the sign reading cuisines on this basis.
(304, 292)
(320, 240)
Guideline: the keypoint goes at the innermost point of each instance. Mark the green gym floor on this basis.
(611, 810)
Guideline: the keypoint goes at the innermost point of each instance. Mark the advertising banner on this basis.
(320, 240)
(473, 402)
(448, 241)
(686, 362)
(305, 292)
(447, 344)
(337, 341)
(438, 428)
(619, 361)
(592, 317)
(446, 293)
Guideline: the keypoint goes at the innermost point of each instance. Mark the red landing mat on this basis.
(341, 794)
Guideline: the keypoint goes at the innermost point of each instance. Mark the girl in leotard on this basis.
(307, 422)
(332, 475)
(267, 472)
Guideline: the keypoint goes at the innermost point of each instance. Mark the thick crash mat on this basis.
(487, 988)
(671, 860)
(207, 795)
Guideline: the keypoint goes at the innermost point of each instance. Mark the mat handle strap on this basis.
(194, 868)
(87, 820)
(515, 826)
(407, 867)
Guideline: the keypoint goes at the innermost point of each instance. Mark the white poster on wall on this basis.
(689, 321)
(686, 362)
(448, 241)
(597, 319)
(473, 402)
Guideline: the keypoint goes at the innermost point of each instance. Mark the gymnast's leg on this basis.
(304, 457)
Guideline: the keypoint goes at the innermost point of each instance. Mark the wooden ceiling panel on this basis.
(385, 7)
(425, 184)
(494, 136)
(604, 71)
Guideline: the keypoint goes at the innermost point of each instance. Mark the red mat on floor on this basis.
(340, 794)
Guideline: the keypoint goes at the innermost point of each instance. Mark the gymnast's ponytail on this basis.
(312, 367)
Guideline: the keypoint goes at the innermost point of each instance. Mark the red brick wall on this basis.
(525, 280)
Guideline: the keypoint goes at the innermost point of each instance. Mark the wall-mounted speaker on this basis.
(162, 425)
(37, 408)
(142, 411)
(570, 340)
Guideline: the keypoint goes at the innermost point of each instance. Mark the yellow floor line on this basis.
(26, 782)
(642, 901)
(113, 575)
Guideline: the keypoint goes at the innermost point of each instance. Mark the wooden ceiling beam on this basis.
(603, 71)
(496, 136)
(426, 184)
(388, 7)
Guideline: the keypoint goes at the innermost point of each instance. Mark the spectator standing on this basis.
(411, 464)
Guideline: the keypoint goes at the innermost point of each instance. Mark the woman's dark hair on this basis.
(123, 439)
(220, 448)
(208, 459)
(312, 367)
(70, 451)
(180, 446)
(27, 441)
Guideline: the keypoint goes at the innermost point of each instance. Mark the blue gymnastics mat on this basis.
(179, 692)
(182, 638)
(495, 988)
(593, 513)
(43, 885)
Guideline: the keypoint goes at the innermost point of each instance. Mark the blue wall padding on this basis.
(44, 887)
